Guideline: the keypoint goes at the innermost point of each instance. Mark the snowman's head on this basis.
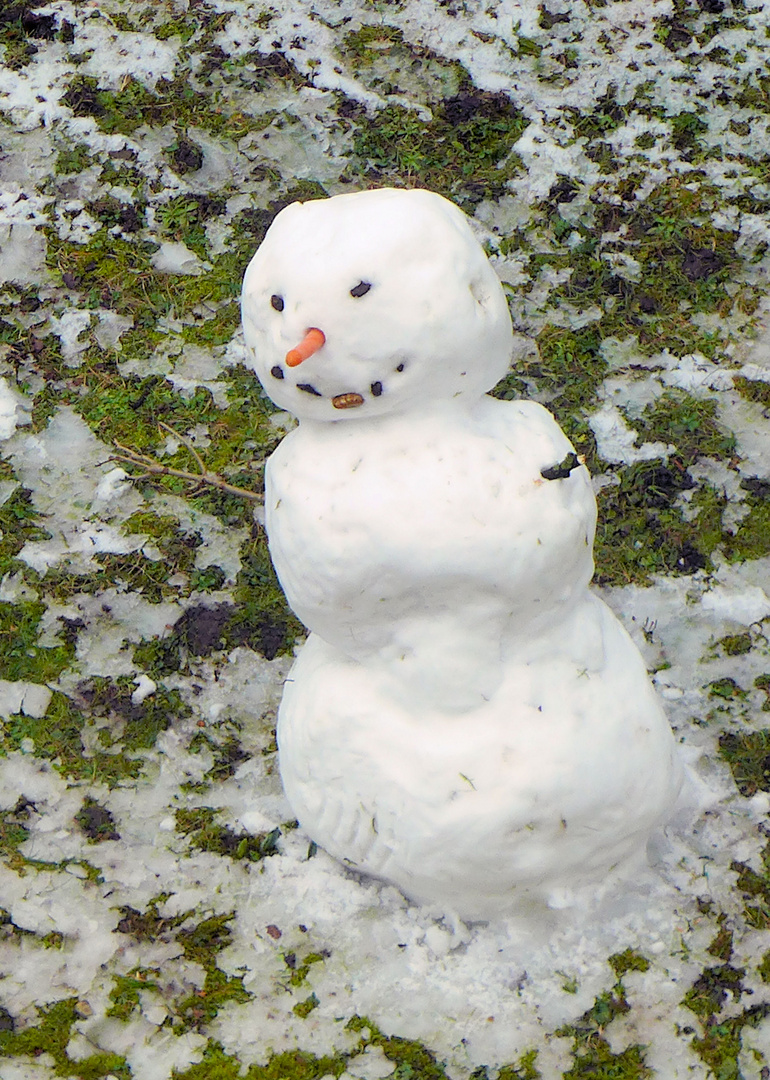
(373, 302)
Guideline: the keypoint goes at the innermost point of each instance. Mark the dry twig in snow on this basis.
(153, 467)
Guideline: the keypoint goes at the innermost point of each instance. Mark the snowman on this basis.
(466, 720)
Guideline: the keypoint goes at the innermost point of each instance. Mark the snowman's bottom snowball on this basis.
(543, 791)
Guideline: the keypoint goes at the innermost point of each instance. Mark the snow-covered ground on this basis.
(162, 913)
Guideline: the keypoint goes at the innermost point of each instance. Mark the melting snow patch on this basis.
(27, 698)
(14, 410)
(747, 606)
(616, 441)
(176, 258)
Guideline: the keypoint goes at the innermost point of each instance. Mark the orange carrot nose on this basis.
(311, 342)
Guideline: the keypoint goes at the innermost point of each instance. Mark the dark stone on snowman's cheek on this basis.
(400, 367)
(361, 289)
(376, 389)
(276, 302)
(277, 372)
(308, 389)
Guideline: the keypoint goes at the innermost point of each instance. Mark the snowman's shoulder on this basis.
(523, 420)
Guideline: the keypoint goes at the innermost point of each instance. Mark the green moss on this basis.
(593, 1056)
(762, 682)
(174, 101)
(215, 1064)
(58, 735)
(291, 1065)
(736, 644)
(763, 968)
(203, 832)
(183, 217)
(719, 1046)
(182, 28)
(177, 547)
(406, 1053)
(125, 994)
(628, 960)
(51, 1036)
(201, 944)
(300, 968)
(383, 59)
(304, 1008)
(684, 263)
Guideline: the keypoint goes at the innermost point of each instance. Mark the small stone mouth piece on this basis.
(347, 401)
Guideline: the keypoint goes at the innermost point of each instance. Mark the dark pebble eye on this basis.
(276, 302)
(400, 367)
(376, 389)
(361, 289)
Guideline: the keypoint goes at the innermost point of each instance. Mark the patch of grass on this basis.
(720, 1044)
(641, 532)
(21, 658)
(13, 833)
(174, 101)
(149, 925)
(755, 889)
(684, 263)
(752, 535)
(753, 390)
(96, 822)
(689, 424)
(748, 755)
(20, 26)
(763, 968)
(58, 735)
(19, 525)
(380, 56)
(73, 159)
(463, 152)
(184, 216)
(762, 682)
(570, 369)
(135, 727)
(262, 618)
